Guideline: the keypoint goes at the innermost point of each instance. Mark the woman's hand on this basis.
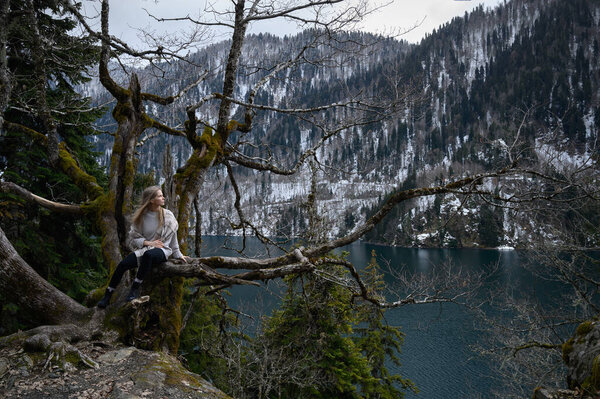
(186, 259)
(155, 244)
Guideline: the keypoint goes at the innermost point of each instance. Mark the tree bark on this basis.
(35, 296)
(237, 41)
(9, 187)
(131, 123)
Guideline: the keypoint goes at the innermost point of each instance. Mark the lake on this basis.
(436, 354)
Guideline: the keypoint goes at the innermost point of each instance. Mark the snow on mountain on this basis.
(472, 77)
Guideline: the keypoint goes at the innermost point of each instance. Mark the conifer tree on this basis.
(66, 61)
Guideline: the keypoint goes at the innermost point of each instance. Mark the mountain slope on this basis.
(476, 77)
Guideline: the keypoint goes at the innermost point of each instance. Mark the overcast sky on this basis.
(128, 16)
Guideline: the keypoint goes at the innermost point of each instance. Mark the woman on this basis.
(152, 237)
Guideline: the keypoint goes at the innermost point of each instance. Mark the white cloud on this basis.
(427, 14)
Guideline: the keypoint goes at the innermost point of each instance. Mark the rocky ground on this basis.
(119, 373)
(95, 369)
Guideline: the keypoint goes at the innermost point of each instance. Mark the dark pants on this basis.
(149, 258)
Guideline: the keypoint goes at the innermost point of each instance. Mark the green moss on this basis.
(166, 304)
(37, 357)
(122, 111)
(96, 207)
(129, 173)
(94, 296)
(567, 348)
(128, 178)
(117, 149)
(207, 135)
(117, 145)
(196, 164)
(197, 161)
(585, 327)
(232, 125)
(592, 383)
(146, 121)
(83, 180)
(175, 376)
(116, 319)
(106, 254)
(96, 210)
(73, 358)
(106, 203)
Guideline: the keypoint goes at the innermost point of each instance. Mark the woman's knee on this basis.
(154, 255)
(129, 262)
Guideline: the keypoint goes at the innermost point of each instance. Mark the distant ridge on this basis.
(475, 75)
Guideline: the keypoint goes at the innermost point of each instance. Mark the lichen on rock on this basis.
(582, 357)
(122, 372)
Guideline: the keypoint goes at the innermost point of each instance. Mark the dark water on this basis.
(436, 354)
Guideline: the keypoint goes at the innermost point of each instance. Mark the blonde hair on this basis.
(148, 195)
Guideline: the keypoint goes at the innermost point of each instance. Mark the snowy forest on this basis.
(483, 136)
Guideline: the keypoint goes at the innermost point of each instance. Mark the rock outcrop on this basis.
(119, 373)
(581, 354)
(543, 393)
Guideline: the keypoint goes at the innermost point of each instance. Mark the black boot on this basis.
(134, 293)
(105, 300)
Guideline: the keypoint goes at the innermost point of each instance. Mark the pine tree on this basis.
(64, 250)
(489, 227)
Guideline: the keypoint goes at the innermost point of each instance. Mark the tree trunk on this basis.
(157, 327)
(34, 295)
(130, 117)
(117, 201)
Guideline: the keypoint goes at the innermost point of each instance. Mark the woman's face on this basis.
(158, 200)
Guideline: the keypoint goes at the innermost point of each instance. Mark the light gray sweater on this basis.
(150, 231)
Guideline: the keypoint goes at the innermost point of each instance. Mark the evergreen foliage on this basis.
(490, 226)
(207, 333)
(63, 250)
(320, 343)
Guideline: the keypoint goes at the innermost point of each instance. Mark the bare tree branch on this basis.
(118, 44)
(151, 122)
(8, 187)
(171, 99)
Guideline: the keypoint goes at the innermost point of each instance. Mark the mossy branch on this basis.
(67, 163)
(38, 137)
(198, 270)
(158, 99)
(151, 122)
(320, 250)
(202, 158)
(211, 277)
(9, 187)
(535, 344)
(170, 99)
(86, 182)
